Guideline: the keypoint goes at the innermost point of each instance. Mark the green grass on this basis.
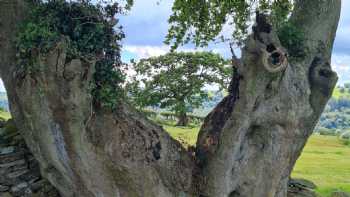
(337, 94)
(5, 115)
(186, 135)
(324, 161)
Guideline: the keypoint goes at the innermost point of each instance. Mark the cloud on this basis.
(341, 64)
(342, 41)
(2, 87)
(147, 22)
(146, 51)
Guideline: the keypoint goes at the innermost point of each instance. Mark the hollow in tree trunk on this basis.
(247, 146)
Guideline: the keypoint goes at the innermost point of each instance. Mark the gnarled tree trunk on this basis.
(247, 146)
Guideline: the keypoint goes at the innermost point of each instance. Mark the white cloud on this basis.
(341, 64)
(146, 51)
(2, 87)
(149, 51)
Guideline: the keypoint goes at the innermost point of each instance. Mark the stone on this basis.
(345, 135)
(10, 136)
(16, 174)
(20, 188)
(7, 194)
(30, 176)
(301, 188)
(7, 150)
(19, 170)
(11, 157)
(2, 122)
(340, 194)
(2, 132)
(302, 183)
(301, 193)
(13, 163)
(4, 188)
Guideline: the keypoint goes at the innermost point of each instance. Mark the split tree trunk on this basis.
(247, 146)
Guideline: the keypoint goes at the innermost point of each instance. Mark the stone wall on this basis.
(19, 171)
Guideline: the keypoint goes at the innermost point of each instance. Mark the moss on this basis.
(292, 39)
(10, 127)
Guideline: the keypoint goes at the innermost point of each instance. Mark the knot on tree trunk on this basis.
(266, 44)
(274, 61)
(322, 82)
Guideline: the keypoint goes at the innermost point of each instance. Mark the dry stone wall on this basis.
(19, 171)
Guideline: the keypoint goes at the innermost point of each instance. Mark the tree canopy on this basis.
(203, 21)
(176, 81)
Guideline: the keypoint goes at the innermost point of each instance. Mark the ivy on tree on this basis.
(176, 81)
(91, 32)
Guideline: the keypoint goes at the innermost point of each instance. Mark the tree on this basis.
(247, 146)
(347, 85)
(176, 81)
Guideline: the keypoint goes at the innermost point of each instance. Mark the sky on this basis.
(146, 25)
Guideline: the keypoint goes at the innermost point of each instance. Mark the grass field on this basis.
(337, 94)
(5, 115)
(324, 161)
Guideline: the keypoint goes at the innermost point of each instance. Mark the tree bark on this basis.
(250, 142)
(182, 119)
(247, 146)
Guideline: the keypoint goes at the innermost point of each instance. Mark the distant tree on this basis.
(347, 86)
(176, 81)
(341, 90)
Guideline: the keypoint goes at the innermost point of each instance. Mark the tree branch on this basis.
(236, 62)
(318, 19)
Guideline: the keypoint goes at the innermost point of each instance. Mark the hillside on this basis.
(342, 92)
(3, 101)
(336, 116)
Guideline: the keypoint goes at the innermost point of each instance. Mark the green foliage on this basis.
(10, 126)
(292, 39)
(149, 113)
(325, 131)
(202, 21)
(346, 142)
(175, 81)
(88, 27)
(336, 116)
(347, 86)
